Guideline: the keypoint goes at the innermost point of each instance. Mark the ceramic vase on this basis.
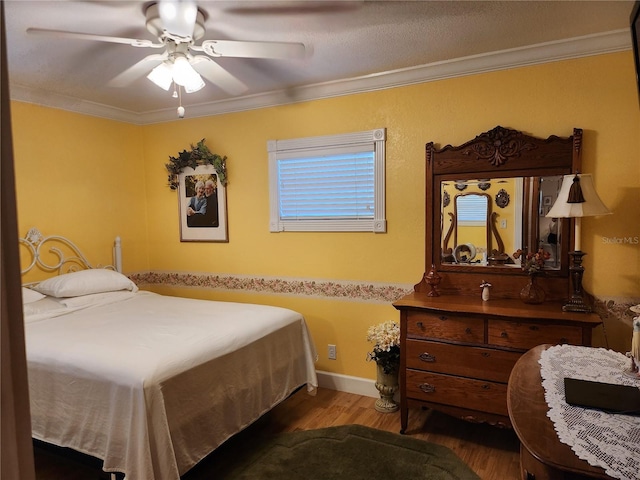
(387, 385)
(532, 293)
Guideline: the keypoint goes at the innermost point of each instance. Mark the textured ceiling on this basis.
(344, 40)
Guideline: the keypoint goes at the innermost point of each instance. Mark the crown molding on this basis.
(577, 47)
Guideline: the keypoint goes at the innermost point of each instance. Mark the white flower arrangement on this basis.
(386, 348)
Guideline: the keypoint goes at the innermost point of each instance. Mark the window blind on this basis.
(330, 187)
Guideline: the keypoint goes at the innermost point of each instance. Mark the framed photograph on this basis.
(202, 205)
(546, 201)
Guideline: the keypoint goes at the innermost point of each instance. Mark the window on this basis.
(330, 183)
(472, 210)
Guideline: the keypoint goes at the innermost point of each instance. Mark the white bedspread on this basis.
(151, 384)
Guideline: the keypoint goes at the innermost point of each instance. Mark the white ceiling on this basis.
(353, 46)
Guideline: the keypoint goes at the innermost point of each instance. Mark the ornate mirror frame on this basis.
(498, 153)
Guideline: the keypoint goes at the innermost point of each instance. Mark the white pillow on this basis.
(85, 282)
(30, 296)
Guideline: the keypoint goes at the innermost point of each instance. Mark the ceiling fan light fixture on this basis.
(161, 76)
(179, 17)
(185, 75)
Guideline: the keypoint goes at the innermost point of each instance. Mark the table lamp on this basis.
(577, 199)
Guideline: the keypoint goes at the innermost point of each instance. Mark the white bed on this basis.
(151, 384)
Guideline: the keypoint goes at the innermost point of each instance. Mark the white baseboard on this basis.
(347, 383)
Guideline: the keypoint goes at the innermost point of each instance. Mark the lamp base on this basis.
(576, 305)
(576, 270)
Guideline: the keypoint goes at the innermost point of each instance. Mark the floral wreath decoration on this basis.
(199, 155)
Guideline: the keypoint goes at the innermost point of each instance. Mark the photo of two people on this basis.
(201, 193)
(202, 205)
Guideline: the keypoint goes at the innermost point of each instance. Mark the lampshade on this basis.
(161, 76)
(577, 199)
(589, 205)
(180, 71)
(185, 75)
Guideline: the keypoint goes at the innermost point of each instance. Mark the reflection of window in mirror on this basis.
(550, 228)
(472, 224)
(466, 219)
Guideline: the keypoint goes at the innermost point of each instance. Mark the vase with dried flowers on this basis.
(533, 264)
(386, 353)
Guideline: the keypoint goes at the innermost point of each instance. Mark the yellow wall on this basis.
(81, 177)
(108, 178)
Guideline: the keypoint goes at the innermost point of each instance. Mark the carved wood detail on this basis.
(498, 146)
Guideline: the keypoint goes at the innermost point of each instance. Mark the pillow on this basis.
(30, 296)
(85, 282)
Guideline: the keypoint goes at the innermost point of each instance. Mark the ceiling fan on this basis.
(178, 24)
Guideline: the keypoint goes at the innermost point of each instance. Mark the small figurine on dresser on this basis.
(635, 348)
(484, 288)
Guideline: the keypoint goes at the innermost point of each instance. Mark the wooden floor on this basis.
(491, 452)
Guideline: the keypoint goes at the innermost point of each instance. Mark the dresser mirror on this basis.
(489, 197)
(483, 224)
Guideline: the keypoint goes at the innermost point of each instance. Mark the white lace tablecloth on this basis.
(604, 440)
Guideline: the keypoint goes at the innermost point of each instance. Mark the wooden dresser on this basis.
(457, 352)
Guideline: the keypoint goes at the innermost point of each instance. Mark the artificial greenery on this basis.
(532, 263)
(198, 155)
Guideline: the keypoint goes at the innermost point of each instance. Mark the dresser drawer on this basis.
(461, 392)
(445, 326)
(475, 362)
(524, 335)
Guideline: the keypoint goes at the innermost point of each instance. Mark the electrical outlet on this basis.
(331, 352)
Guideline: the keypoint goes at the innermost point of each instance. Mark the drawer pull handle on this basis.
(564, 340)
(443, 318)
(468, 331)
(427, 387)
(486, 386)
(535, 328)
(427, 357)
(485, 354)
(420, 325)
(504, 334)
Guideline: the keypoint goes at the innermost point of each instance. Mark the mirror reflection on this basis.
(483, 222)
(550, 228)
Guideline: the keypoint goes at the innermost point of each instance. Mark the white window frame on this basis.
(375, 139)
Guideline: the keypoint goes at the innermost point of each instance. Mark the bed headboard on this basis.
(57, 254)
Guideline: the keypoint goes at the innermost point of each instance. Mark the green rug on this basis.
(350, 452)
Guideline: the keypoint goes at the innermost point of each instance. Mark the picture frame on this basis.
(546, 201)
(198, 221)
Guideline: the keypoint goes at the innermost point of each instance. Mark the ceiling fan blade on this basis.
(89, 36)
(234, 48)
(217, 75)
(137, 70)
(178, 16)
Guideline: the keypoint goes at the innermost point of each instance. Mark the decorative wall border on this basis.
(343, 290)
(616, 308)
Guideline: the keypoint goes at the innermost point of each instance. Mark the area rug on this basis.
(351, 452)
